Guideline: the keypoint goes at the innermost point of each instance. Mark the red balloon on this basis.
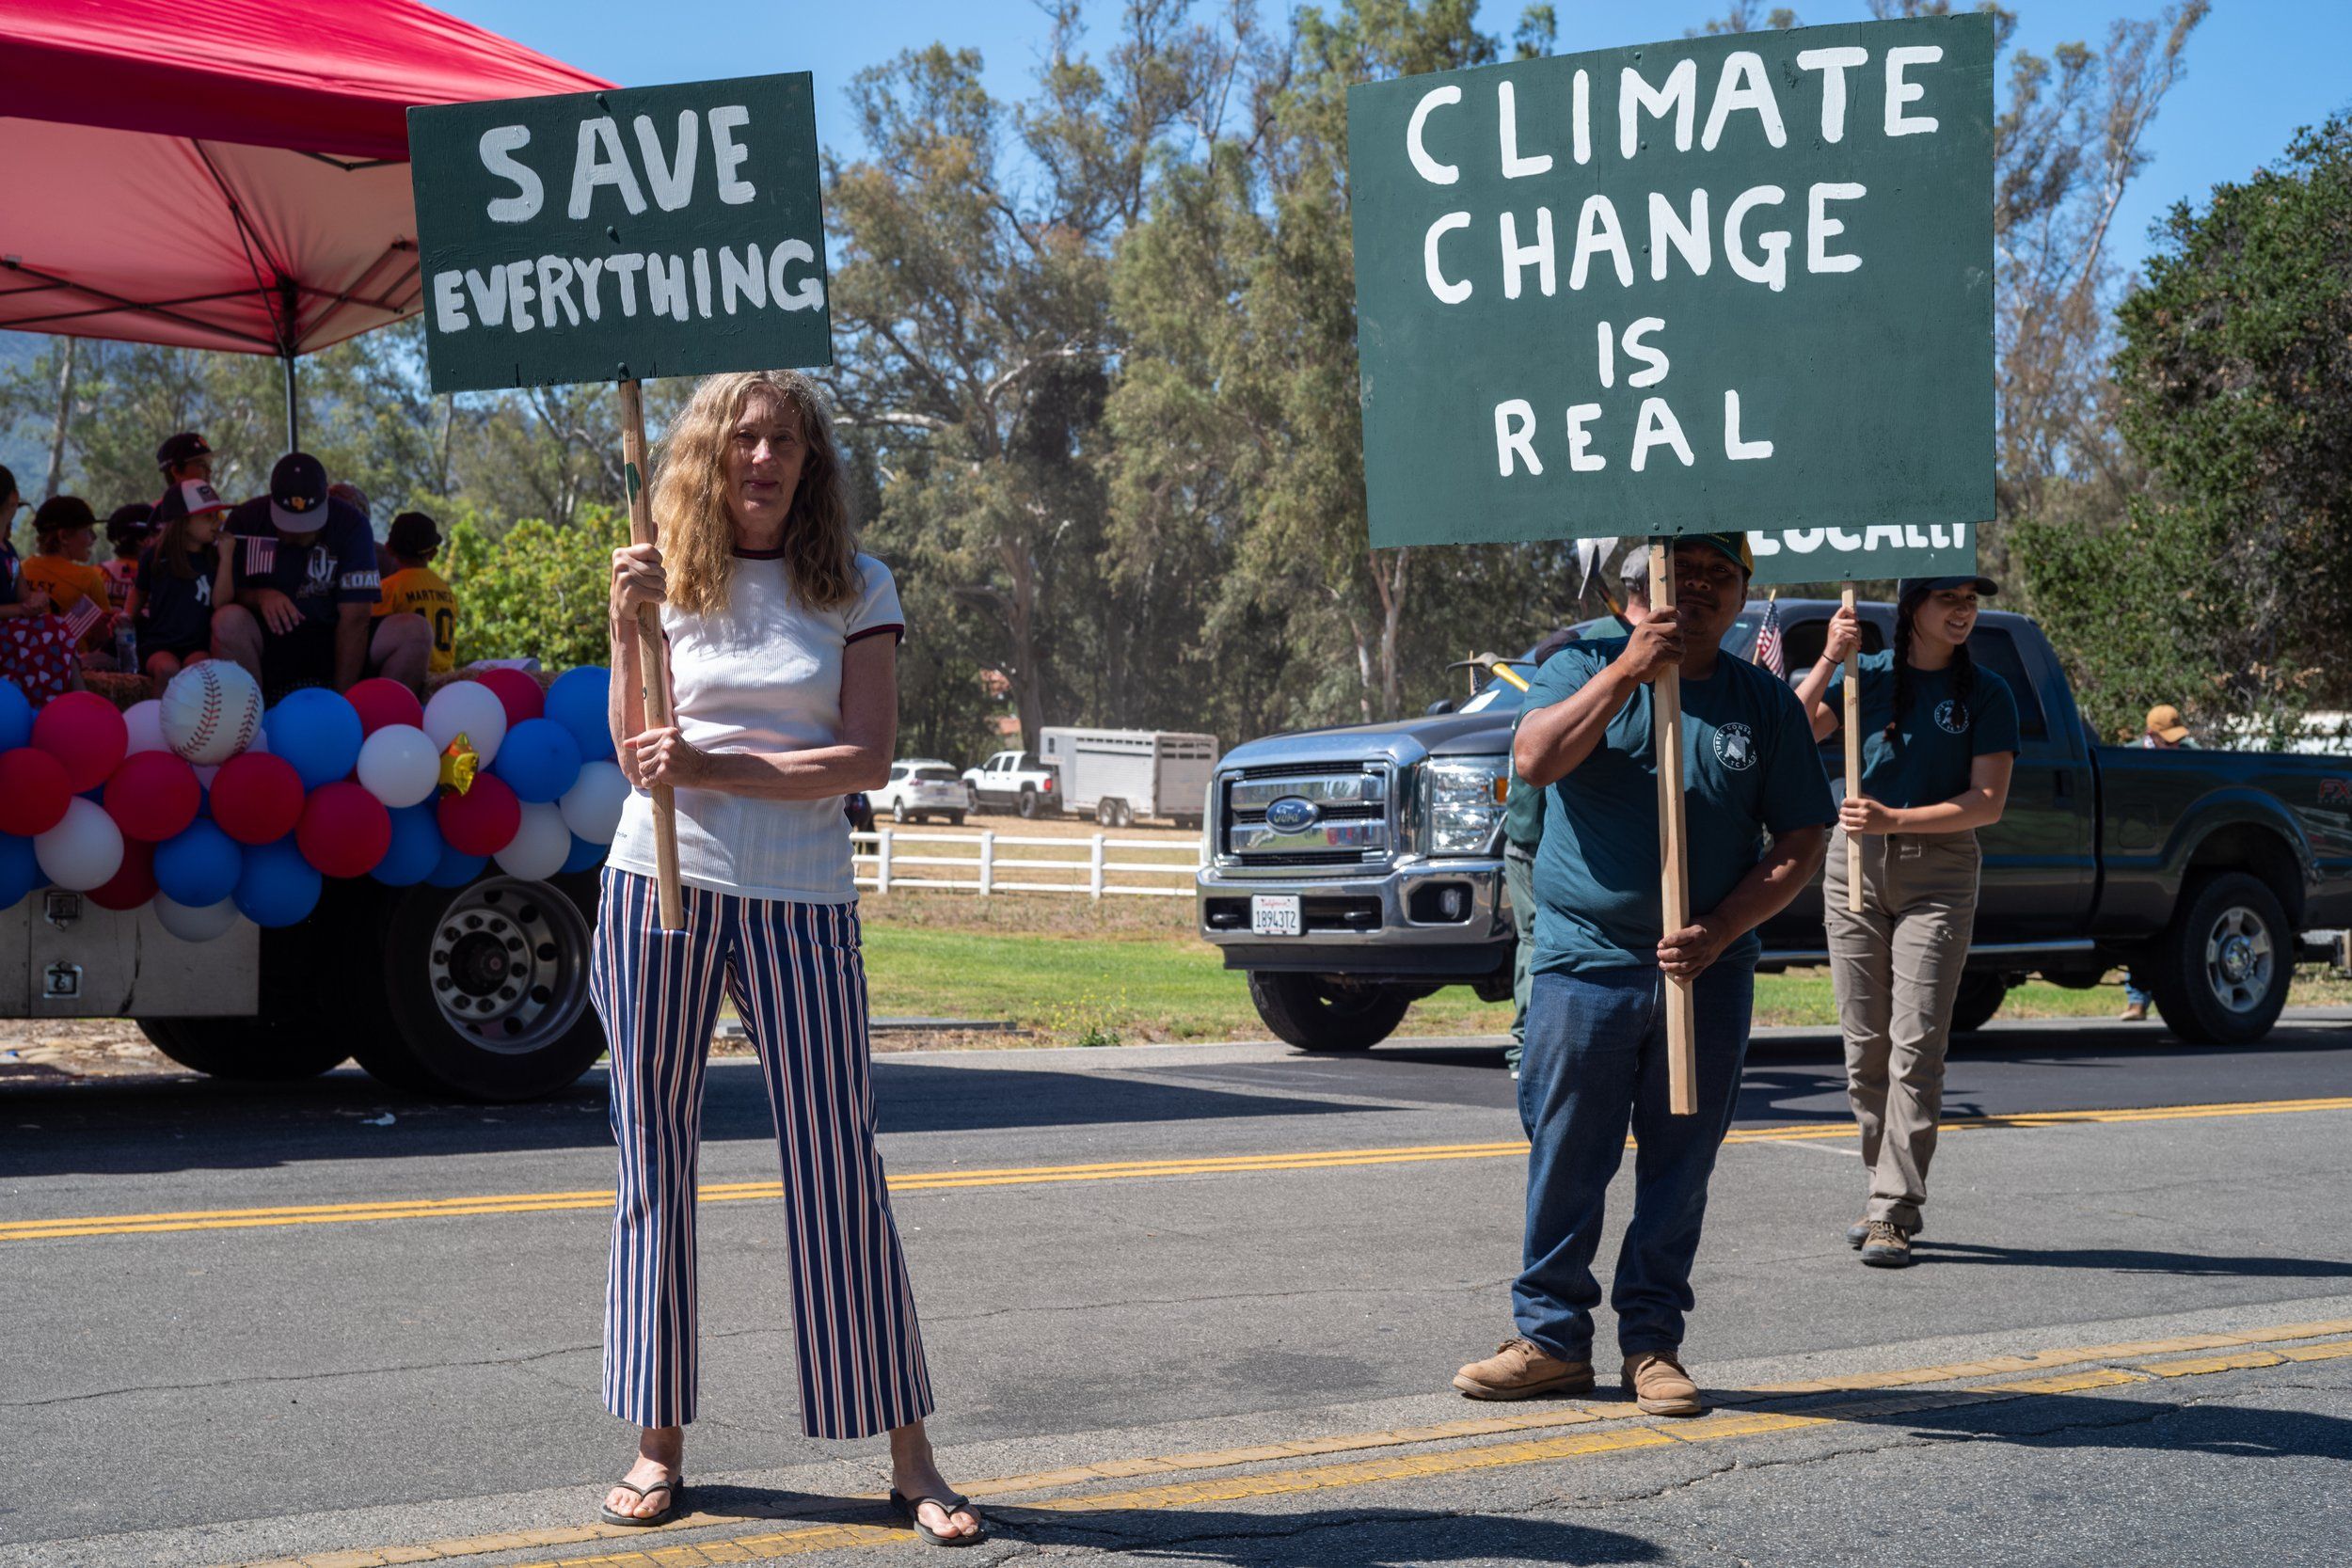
(518, 693)
(84, 732)
(383, 701)
(152, 796)
(135, 884)
(482, 821)
(344, 831)
(257, 798)
(34, 791)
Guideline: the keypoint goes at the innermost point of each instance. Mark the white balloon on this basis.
(211, 711)
(399, 766)
(81, 852)
(592, 807)
(145, 721)
(469, 708)
(540, 845)
(205, 774)
(195, 922)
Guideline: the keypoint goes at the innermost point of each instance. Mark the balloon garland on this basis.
(147, 808)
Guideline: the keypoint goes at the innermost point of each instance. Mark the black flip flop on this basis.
(909, 1509)
(676, 1487)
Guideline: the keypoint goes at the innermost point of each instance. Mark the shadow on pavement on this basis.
(99, 1127)
(2134, 1260)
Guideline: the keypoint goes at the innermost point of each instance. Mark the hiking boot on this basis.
(1659, 1385)
(1859, 1231)
(2135, 1012)
(1886, 1246)
(1520, 1369)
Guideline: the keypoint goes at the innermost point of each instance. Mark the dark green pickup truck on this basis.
(1351, 871)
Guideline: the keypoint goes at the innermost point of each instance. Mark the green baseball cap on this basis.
(1733, 545)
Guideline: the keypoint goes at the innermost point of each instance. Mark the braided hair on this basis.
(1964, 668)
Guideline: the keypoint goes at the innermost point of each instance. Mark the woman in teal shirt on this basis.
(1939, 740)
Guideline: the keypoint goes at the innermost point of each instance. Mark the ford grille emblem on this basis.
(1292, 813)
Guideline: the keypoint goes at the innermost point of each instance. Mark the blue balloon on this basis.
(278, 886)
(577, 701)
(539, 760)
(456, 870)
(586, 855)
(199, 866)
(417, 847)
(318, 732)
(19, 873)
(16, 716)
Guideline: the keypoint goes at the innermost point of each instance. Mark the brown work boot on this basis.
(1659, 1385)
(2134, 1012)
(1859, 1231)
(1521, 1370)
(1887, 1246)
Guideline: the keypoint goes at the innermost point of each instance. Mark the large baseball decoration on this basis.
(208, 809)
(211, 712)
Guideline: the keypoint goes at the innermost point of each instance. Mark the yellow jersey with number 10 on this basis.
(421, 590)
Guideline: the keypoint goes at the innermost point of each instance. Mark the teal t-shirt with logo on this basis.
(1749, 767)
(1938, 738)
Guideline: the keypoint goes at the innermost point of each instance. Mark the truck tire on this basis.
(2222, 967)
(1978, 998)
(294, 1036)
(898, 810)
(483, 991)
(955, 819)
(1317, 1014)
(1027, 805)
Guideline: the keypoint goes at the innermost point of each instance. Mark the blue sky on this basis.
(2257, 68)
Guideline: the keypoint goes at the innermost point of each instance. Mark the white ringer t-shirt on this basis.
(763, 675)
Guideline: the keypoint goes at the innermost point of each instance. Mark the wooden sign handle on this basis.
(653, 656)
(1674, 873)
(1854, 758)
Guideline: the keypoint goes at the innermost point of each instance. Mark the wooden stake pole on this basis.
(653, 655)
(1853, 758)
(1674, 875)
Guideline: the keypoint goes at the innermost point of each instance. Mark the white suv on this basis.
(921, 789)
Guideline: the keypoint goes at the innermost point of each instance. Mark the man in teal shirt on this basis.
(1596, 1051)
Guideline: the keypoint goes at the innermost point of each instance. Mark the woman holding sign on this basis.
(1940, 737)
(783, 657)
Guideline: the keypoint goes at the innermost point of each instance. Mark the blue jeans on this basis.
(1596, 1063)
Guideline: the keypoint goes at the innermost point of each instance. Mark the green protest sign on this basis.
(1731, 282)
(618, 235)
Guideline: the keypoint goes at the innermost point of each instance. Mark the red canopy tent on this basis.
(227, 174)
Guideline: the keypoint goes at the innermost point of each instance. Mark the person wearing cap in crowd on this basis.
(2163, 732)
(184, 457)
(1633, 588)
(1596, 1057)
(183, 578)
(415, 587)
(36, 650)
(1939, 740)
(307, 587)
(65, 533)
(128, 531)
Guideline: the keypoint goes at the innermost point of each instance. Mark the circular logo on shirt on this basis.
(1735, 747)
(1952, 717)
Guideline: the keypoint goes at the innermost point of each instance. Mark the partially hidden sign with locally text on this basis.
(620, 235)
(1733, 282)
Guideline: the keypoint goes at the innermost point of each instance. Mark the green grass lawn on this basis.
(1126, 983)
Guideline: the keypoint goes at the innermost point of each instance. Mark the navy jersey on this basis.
(335, 566)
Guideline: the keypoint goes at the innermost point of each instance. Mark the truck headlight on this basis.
(1462, 799)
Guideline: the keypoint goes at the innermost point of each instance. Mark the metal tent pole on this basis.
(293, 412)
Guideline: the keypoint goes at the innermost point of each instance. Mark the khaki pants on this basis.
(1896, 967)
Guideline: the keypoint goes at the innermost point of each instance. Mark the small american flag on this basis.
(260, 554)
(1769, 652)
(86, 613)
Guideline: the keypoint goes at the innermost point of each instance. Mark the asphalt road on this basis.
(330, 1323)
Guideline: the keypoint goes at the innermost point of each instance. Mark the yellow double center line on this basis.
(1030, 1176)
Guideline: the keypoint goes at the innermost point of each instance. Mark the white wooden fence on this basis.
(884, 863)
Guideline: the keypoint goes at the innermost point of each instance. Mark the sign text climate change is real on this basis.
(622, 234)
(1730, 282)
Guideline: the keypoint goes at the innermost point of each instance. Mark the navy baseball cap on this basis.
(297, 494)
(190, 498)
(412, 533)
(126, 523)
(1911, 588)
(180, 449)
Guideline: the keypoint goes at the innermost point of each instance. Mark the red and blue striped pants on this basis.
(797, 979)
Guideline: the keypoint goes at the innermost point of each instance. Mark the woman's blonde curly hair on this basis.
(690, 495)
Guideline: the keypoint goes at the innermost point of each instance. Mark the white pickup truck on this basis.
(1014, 782)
